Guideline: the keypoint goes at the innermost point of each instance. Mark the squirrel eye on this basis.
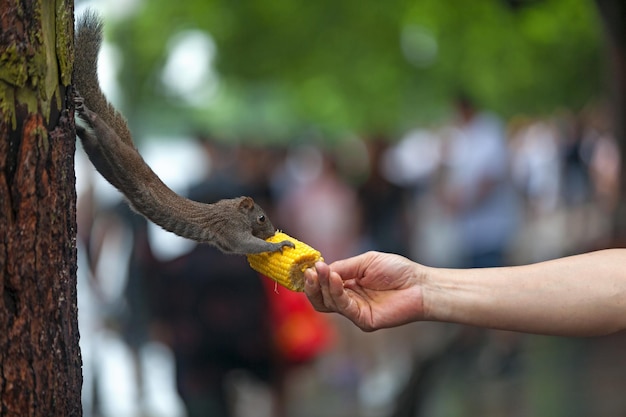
(261, 218)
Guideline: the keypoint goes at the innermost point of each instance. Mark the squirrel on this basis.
(237, 226)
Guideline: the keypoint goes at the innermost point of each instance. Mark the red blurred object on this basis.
(300, 332)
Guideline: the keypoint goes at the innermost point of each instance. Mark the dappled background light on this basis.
(188, 73)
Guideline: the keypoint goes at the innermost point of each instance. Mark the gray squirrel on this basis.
(237, 225)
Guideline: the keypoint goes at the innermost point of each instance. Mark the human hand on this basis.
(375, 290)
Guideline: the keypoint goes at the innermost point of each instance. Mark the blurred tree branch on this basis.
(613, 13)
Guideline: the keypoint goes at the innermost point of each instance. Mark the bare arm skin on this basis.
(234, 225)
(582, 295)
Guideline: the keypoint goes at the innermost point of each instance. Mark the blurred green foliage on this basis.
(366, 66)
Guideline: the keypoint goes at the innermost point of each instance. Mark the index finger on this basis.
(335, 296)
(313, 290)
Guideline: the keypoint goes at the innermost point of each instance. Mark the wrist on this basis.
(430, 293)
(451, 295)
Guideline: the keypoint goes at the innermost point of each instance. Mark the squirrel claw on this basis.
(286, 243)
(79, 101)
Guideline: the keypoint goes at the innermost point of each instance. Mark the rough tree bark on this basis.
(40, 364)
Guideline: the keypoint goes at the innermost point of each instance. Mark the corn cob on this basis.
(286, 267)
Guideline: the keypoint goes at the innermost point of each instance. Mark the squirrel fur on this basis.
(235, 225)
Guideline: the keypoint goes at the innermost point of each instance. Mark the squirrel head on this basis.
(262, 227)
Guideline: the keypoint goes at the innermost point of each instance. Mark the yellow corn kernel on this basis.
(286, 268)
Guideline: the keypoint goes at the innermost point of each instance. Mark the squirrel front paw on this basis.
(278, 246)
(284, 243)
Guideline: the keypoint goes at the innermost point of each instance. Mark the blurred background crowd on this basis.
(538, 189)
(472, 179)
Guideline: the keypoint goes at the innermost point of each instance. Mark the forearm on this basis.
(582, 295)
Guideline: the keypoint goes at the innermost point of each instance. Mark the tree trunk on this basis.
(40, 363)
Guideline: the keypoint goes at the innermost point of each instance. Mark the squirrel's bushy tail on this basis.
(108, 142)
(87, 42)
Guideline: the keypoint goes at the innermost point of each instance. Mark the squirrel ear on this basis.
(246, 203)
